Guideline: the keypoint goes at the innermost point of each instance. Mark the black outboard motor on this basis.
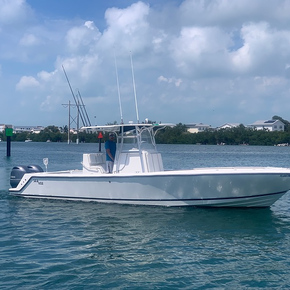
(17, 173)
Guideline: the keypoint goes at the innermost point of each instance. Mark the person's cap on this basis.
(112, 135)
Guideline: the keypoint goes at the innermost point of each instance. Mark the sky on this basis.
(193, 61)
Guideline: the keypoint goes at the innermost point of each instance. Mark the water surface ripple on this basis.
(46, 244)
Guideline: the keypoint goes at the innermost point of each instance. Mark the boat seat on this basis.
(96, 159)
(94, 162)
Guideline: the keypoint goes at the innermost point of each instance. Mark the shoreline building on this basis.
(270, 125)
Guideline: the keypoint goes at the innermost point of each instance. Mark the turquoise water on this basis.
(46, 244)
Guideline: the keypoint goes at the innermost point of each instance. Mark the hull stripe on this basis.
(148, 200)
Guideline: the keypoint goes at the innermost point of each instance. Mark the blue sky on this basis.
(209, 62)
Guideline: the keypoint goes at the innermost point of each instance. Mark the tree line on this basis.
(52, 134)
(231, 136)
(240, 135)
(176, 135)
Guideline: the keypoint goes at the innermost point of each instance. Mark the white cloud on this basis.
(227, 57)
(232, 14)
(162, 79)
(49, 104)
(46, 76)
(27, 82)
(82, 39)
(127, 28)
(266, 82)
(158, 40)
(128, 20)
(263, 50)
(29, 40)
(197, 49)
(176, 82)
(90, 25)
(13, 12)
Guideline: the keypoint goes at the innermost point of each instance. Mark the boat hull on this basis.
(216, 187)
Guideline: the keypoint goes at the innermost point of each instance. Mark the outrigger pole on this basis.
(136, 105)
(79, 103)
(84, 114)
(119, 95)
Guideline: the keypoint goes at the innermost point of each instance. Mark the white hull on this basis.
(222, 187)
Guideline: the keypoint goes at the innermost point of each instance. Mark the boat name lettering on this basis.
(39, 182)
(284, 175)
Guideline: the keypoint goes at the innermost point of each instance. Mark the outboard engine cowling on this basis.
(17, 173)
(34, 168)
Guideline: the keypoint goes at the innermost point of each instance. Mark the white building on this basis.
(197, 127)
(2, 127)
(229, 126)
(32, 129)
(270, 125)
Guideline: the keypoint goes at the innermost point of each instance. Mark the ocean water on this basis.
(48, 244)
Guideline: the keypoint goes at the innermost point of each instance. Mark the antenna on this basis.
(136, 105)
(120, 105)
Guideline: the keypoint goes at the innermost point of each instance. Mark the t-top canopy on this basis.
(125, 127)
